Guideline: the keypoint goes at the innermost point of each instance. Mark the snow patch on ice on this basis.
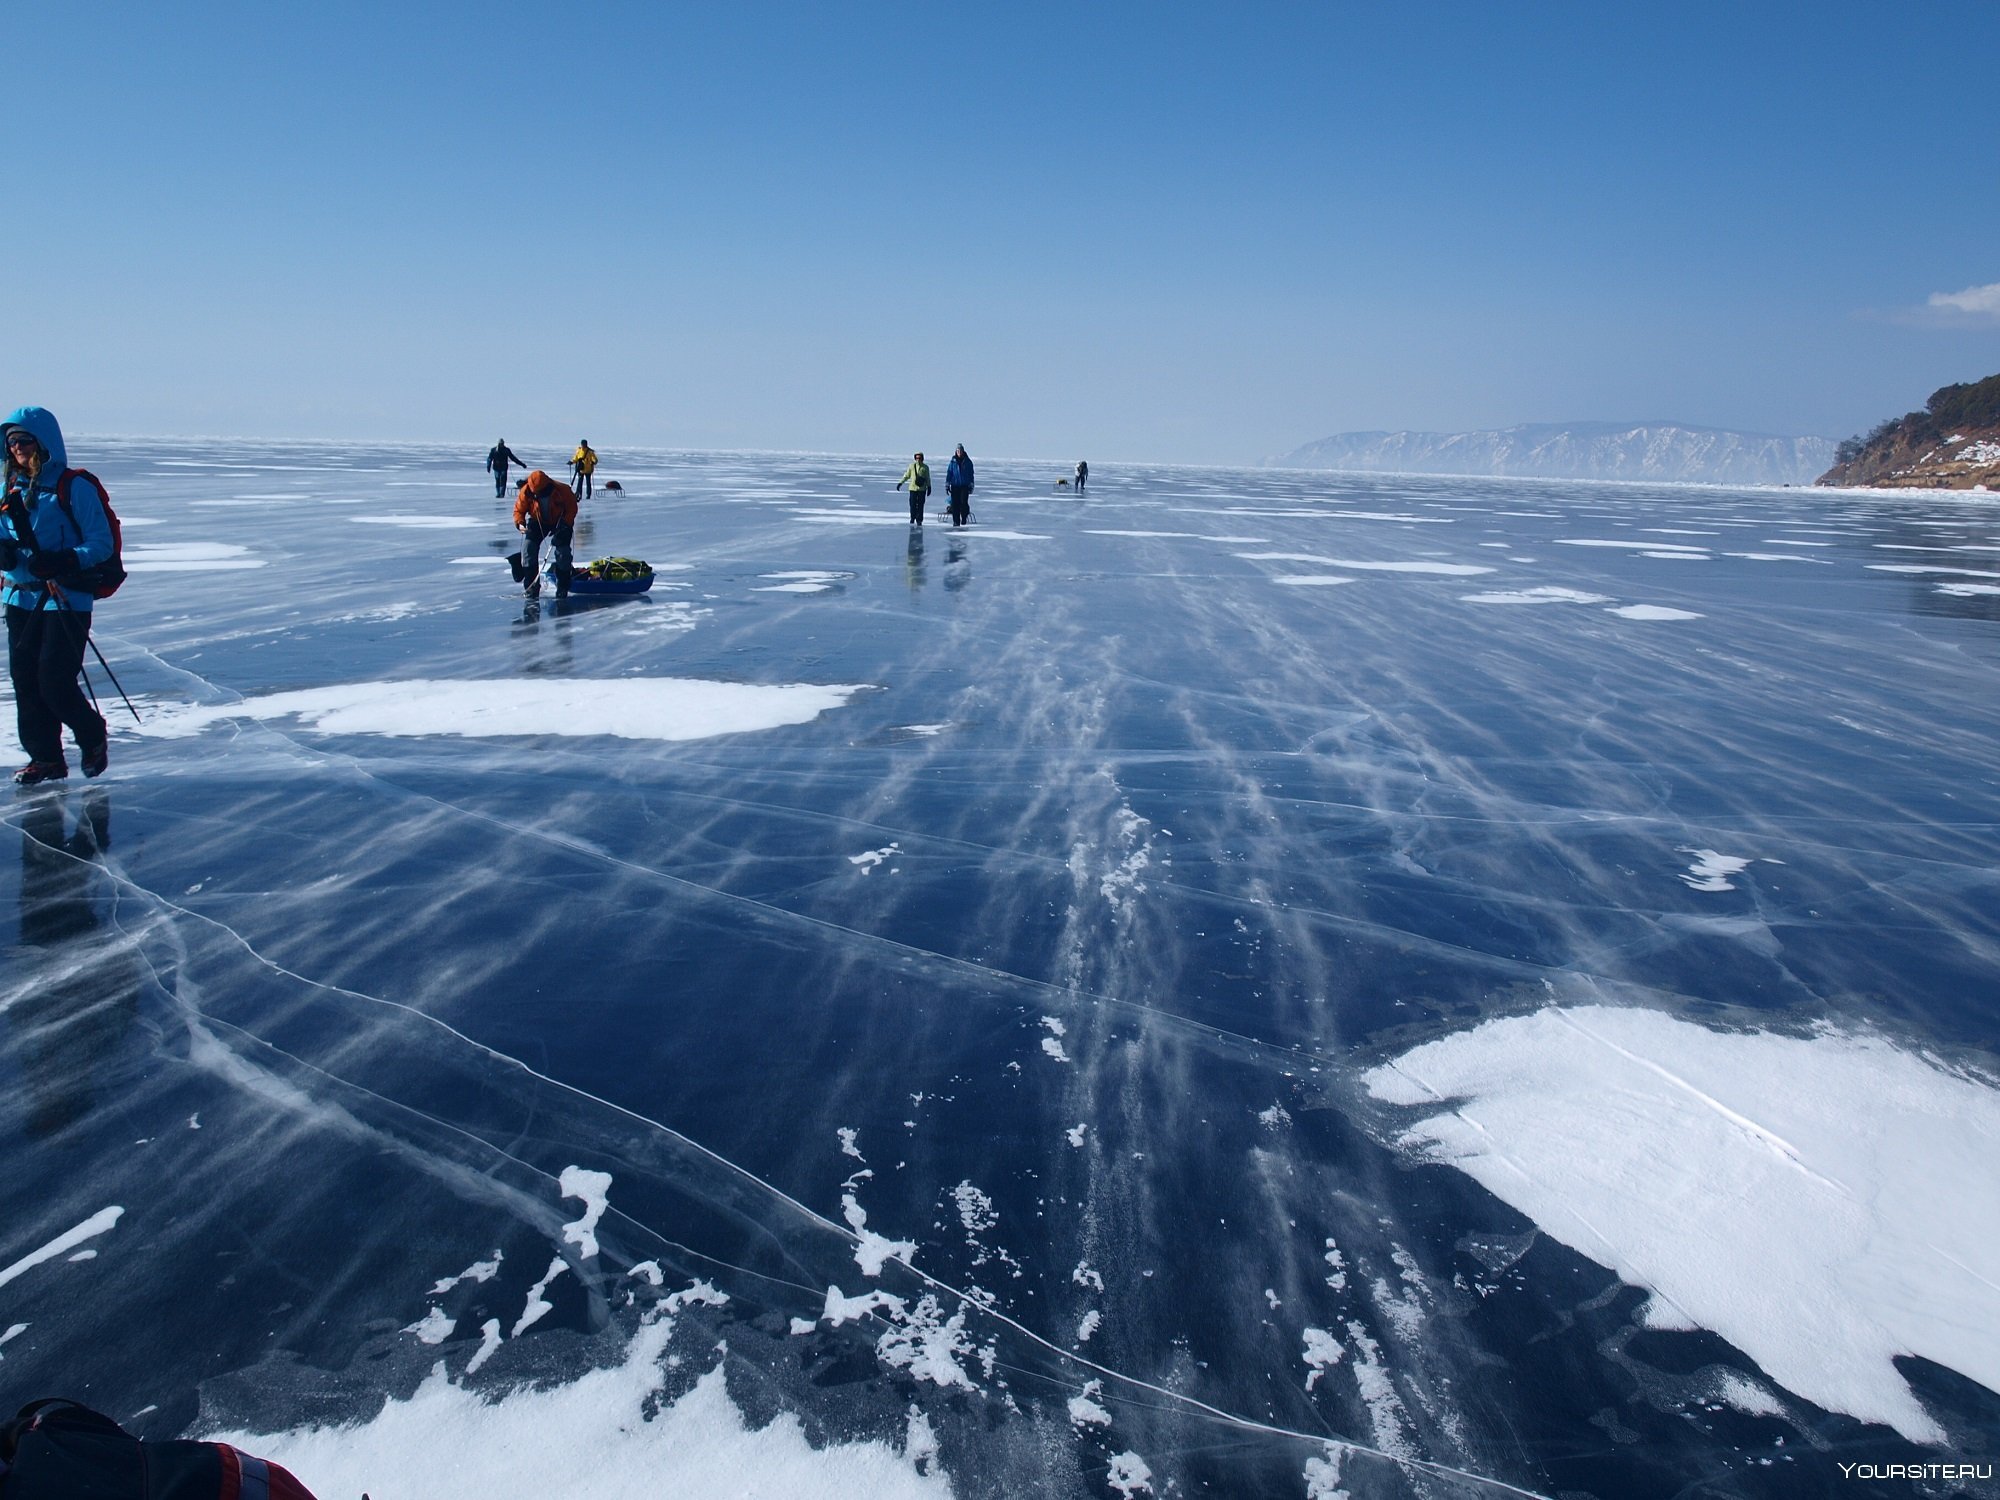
(841, 1308)
(187, 557)
(1653, 612)
(802, 583)
(1780, 1191)
(448, 1442)
(929, 1345)
(874, 1249)
(1084, 1410)
(1322, 1477)
(1387, 1417)
(868, 859)
(1322, 1352)
(1711, 871)
(590, 1188)
(537, 1306)
(479, 1270)
(1549, 594)
(434, 1327)
(1129, 1475)
(632, 708)
(975, 1210)
(489, 1345)
(1736, 1390)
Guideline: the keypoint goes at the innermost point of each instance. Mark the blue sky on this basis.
(1117, 231)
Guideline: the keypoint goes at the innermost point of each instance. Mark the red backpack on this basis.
(58, 1450)
(99, 580)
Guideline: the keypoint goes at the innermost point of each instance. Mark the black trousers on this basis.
(917, 498)
(531, 557)
(44, 655)
(961, 504)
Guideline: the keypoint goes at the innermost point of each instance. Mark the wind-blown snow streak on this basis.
(98, 1223)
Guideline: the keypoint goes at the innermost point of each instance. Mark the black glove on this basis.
(52, 562)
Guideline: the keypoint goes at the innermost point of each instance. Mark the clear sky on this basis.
(1140, 231)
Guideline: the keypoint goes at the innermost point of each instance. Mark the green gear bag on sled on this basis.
(612, 575)
(56, 1449)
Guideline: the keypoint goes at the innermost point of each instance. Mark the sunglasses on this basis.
(22, 440)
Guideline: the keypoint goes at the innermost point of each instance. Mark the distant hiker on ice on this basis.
(917, 480)
(583, 464)
(1082, 473)
(53, 524)
(544, 508)
(496, 463)
(958, 486)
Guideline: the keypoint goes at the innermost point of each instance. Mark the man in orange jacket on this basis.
(544, 508)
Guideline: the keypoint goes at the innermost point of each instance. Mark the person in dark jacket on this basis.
(958, 486)
(544, 508)
(48, 624)
(496, 463)
(917, 480)
(1082, 475)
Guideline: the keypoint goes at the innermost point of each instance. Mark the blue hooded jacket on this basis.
(48, 528)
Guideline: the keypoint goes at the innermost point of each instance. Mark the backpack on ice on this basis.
(59, 1450)
(99, 580)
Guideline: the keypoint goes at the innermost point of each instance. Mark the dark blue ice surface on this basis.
(1084, 917)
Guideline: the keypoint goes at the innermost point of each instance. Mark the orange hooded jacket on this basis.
(556, 501)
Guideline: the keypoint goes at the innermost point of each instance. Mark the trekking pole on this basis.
(63, 605)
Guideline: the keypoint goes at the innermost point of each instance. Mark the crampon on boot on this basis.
(35, 772)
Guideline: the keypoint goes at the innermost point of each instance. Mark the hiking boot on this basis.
(35, 772)
(95, 760)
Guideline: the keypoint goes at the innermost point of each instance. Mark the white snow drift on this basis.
(654, 708)
(1825, 1203)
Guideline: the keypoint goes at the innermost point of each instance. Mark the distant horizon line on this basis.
(1788, 437)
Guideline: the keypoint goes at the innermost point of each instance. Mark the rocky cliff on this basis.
(1658, 451)
(1952, 444)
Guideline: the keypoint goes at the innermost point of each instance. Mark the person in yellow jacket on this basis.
(583, 464)
(544, 508)
(917, 480)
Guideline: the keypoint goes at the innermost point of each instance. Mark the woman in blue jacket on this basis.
(42, 543)
(958, 486)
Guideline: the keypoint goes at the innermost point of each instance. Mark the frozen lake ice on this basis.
(1244, 982)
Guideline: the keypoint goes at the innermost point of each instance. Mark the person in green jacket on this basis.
(917, 480)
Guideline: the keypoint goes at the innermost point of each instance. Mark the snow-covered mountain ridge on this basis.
(1664, 451)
